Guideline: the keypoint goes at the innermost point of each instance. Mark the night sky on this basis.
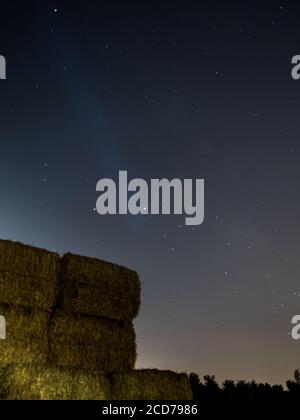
(185, 89)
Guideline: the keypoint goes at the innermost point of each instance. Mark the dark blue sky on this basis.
(183, 89)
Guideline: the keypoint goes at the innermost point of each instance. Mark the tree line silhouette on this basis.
(208, 392)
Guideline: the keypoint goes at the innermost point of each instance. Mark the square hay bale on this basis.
(91, 386)
(94, 287)
(25, 350)
(28, 275)
(50, 383)
(85, 329)
(91, 343)
(27, 291)
(151, 384)
(20, 258)
(23, 321)
(103, 359)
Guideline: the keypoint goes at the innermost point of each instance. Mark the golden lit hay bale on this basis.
(91, 343)
(107, 357)
(91, 386)
(28, 275)
(18, 382)
(27, 350)
(50, 383)
(94, 287)
(85, 329)
(27, 291)
(28, 260)
(151, 384)
(22, 321)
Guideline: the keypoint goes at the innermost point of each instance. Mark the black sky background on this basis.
(188, 89)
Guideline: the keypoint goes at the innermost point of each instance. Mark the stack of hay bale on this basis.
(92, 327)
(69, 330)
(28, 290)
